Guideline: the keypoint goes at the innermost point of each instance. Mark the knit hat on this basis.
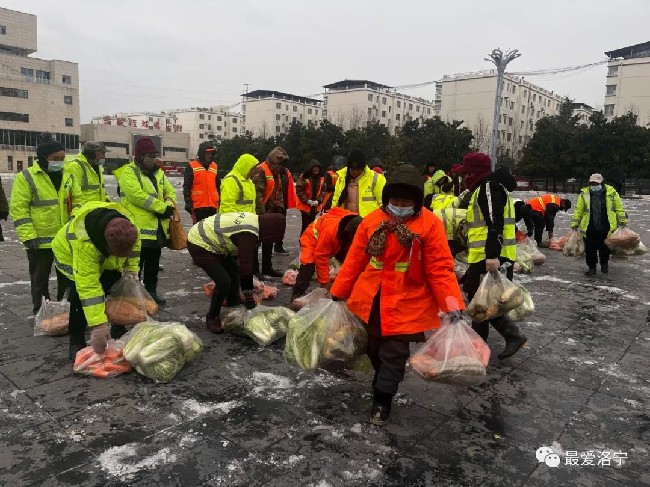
(121, 236)
(48, 145)
(456, 168)
(356, 159)
(476, 162)
(404, 182)
(143, 146)
(95, 146)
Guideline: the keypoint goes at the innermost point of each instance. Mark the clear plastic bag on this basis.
(105, 366)
(530, 246)
(623, 238)
(289, 278)
(460, 268)
(335, 267)
(525, 309)
(640, 249)
(53, 317)
(322, 332)
(558, 243)
(524, 260)
(575, 245)
(263, 324)
(316, 294)
(453, 354)
(129, 303)
(495, 296)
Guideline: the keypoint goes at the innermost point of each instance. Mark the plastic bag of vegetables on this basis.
(525, 260)
(558, 243)
(302, 301)
(324, 331)
(105, 366)
(623, 238)
(53, 317)
(530, 246)
(525, 309)
(454, 353)
(495, 297)
(129, 302)
(289, 277)
(575, 246)
(263, 324)
(638, 250)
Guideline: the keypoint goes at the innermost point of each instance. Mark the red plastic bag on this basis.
(109, 364)
(453, 354)
(623, 238)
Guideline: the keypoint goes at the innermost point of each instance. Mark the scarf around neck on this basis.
(377, 241)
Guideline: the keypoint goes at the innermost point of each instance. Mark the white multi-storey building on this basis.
(36, 95)
(470, 97)
(201, 123)
(354, 103)
(583, 112)
(268, 113)
(627, 88)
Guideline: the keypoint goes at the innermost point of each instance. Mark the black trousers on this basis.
(307, 218)
(267, 257)
(149, 266)
(40, 267)
(203, 213)
(78, 322)
(224, 271)
(540, 224)
(595, 247)
(303, 279)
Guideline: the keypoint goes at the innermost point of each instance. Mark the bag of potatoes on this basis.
(495, 297)
(129, 303)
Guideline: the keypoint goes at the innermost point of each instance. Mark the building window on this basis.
(3, 30)
(277, 116)
(201, 116)
(397, 116)
(66, 80)
(522, 124)
(295, 108)
(14, 93)
(200, 136)
(369, 97)
(514, 89)
(234, 120)
(399, 104)
(293, 120)
(383, 113)
(219, 127)
(410, 106)
(389, 108)
(612, 71)
(27, 73)
(609, 110)
(512, 105)
(201, 126)
(209, 125)
(301, 116)
(167, 120)
(369, 112)
(428, 111)
(383, 100)
(67, 99)
(417, 108)
(42, 76)
(219, 116)
(278, 106)
(523, 108)
(611, 90)
(520, 139)
(209, 117)
(309, 111)
(510, 121)
(315, 112)
(277, 129)
(234, 129)
(68, 122)
(286, 108)
(10, 163)
(14, 117)
(509, 136)
(30, 161)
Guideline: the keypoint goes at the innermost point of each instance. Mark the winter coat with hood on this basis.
(407, 306)
(311, 187)
(237, 189)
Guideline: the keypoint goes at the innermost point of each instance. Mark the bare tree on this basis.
(482, 133)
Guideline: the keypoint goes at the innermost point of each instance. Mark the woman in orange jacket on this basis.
(397, 277)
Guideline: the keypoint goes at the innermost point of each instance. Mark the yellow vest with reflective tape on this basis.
(451, 218)
(442, 201)
(478, 231)
(371, 184)
(213, 233)
(90, 183)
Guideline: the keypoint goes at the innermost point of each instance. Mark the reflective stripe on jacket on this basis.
(76, 257)
(204, 185)
(91, 183)
(270, 186)
(539, 203)
(451, 219)
(371, 186)
(441, 201)
(478, 230)
(237, 189)
(213, 233)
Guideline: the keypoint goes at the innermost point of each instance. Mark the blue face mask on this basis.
(399, 211)
(55, 166)
(596, 187)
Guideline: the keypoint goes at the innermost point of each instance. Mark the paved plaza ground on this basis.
(240, 416)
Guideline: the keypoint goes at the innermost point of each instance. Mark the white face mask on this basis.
(54, 166)
(596, 187)
(401, 211)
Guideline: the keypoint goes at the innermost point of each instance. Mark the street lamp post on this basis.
(500, 60)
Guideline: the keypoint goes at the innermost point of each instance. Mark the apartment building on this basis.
(355, 103)
(470, 97)
(201, 123)
(268, 113)
(583, 112)
(627, 88)
(36, 95)
(174, 147)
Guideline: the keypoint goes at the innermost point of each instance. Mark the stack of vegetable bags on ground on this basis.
(53, 317)
(454, 353)
(129, 302)
(263, 324)
(624, 242)
(160, 350)
(324, 331)
(558, 243)
(525, 309)
(575, 245)
(109, 364)
(495, 297)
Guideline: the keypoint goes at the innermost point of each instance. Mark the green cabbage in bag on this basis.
(161, 357)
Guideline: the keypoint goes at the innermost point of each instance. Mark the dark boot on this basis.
(280, 250)
(271, 272)
(481, 329)
(77, 342)
(214, 324)
(604, 268)
(514, 339)
(154, 295)
(380, 411)
(591, 271)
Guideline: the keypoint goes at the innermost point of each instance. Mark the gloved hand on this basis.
(313, 202)
(31, 244)
(3, 215)
(99, 336)
(492, 265)
(188, 208)
(453, 316)
(334, 298)
(249, 299)
(169, 211)
(131, 274)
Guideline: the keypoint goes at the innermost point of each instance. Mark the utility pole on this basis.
(500, 60)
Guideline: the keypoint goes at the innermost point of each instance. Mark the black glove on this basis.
(188, 208)
(3, 215)
(249, 299)
(334, 298)
(169, 211)
(31, 244)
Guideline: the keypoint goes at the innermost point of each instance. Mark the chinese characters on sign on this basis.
(574, 458)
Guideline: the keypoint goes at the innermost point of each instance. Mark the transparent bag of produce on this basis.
(525, 309)
(129, 303)
(105, 366)
(530, 246)
(263, 324)
(454, 354)
(322, 332)
(575, 245)
(495, 296)
(302, 301)
(558, 243)
(53, 317)
(524, 260)
(623, 238)
(289, 278)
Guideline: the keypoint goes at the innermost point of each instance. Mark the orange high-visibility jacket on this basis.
(320, 242)
(205, 193)
(308, 194)
(328, 196)
(270, 186)
(406, 307)
(539, 203)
